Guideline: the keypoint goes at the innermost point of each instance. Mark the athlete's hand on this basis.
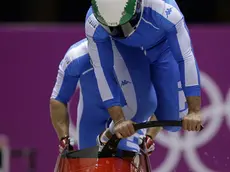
(192, 122)
(65, 144)
(149, 145)
(124, 129)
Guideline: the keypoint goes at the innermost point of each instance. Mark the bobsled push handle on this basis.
(110, 148)
(150, 124)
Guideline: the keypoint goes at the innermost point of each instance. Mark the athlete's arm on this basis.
(180, 44)
(63, 90)
(181, 47)
(59, 118)
(101, 55)
(150, 136)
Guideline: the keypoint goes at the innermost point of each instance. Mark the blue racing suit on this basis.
(163, 37)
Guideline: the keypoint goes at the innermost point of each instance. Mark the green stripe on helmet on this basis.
(97, 13)
(129, 11)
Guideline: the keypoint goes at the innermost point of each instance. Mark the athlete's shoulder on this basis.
(93, 28)
(155, 5)
(166, 11)
(77, 50)
(75, 57)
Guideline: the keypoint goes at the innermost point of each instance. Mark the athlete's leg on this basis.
(91, 124)
(165, 77)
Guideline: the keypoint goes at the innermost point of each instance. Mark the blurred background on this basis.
(206, 11)
(34, 36)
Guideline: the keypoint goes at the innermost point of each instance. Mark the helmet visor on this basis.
(125, 30)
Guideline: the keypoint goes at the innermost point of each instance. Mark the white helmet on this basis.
(119, 17)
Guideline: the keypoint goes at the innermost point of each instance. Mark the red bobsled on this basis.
(109, 158)
(126, 163)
